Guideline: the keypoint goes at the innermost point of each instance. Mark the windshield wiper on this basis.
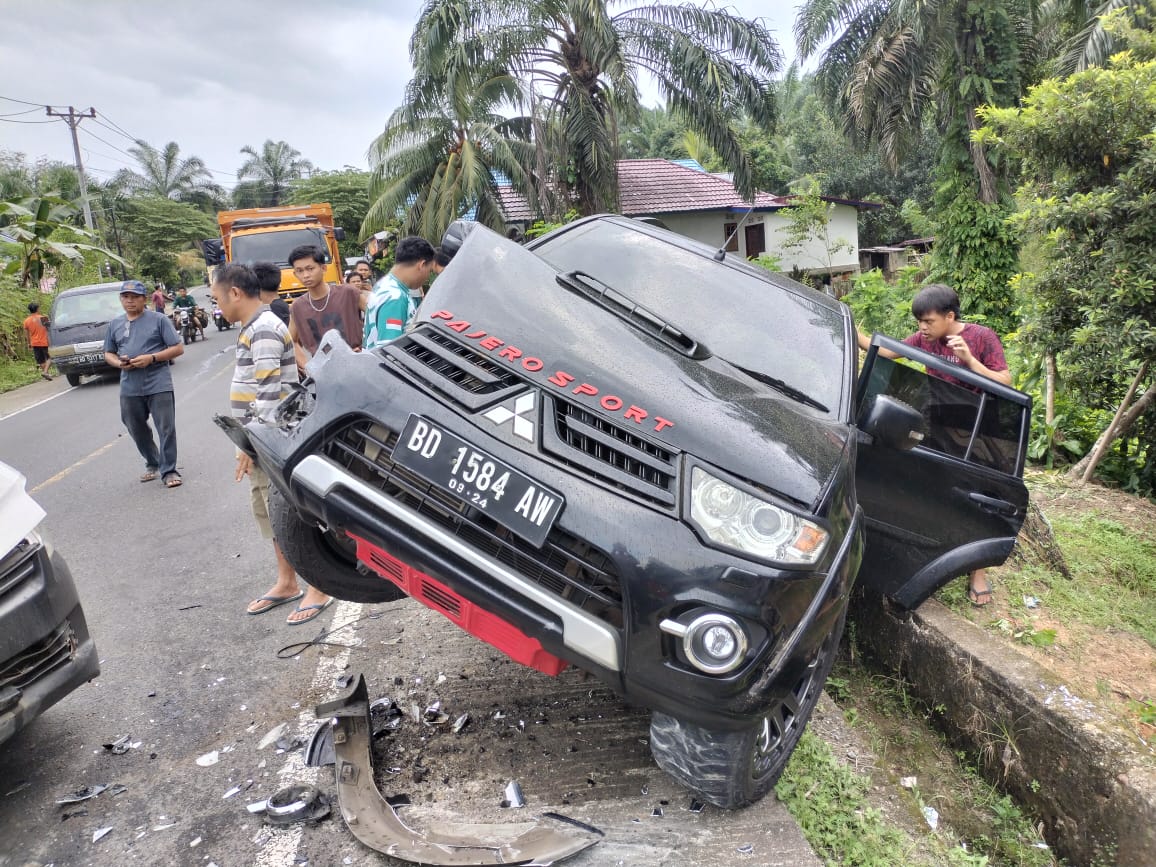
(78, 325)
(780, 386)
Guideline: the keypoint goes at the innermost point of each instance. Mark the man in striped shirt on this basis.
(264, 369)
(392, 304)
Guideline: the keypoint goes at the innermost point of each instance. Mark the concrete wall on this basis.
(707, 226)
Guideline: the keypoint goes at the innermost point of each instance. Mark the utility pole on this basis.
(73, 119)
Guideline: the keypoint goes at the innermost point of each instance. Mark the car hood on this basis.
(19, 513)
(498, 296)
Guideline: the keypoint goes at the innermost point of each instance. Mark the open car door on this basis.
(954, 501)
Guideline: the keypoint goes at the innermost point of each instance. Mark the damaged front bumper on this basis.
(375, 823)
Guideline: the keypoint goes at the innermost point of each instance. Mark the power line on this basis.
(18, 113)
(110, 144)
(10, 120)
(24, 101)
(116, 130)
(119, 128)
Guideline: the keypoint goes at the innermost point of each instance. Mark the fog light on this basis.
(714, 643)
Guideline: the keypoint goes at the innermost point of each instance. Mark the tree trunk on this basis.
(1036, 544)
(988, 188)
(1050, 390)
(1086, 466)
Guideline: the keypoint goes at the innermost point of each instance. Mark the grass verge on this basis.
(839, 808)
(14, 374)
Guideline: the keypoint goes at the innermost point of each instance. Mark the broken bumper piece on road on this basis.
(375, 823)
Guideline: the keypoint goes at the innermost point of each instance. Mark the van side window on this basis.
(976, 427)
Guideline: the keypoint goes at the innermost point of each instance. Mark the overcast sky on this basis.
(216, 75)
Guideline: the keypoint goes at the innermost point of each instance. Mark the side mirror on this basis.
(214, 251)
(894, 423)
(338, 233)
(455, 236)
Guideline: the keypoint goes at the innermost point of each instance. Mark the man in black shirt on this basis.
(269, 276)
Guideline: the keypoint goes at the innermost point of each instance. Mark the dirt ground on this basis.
(1113, 668)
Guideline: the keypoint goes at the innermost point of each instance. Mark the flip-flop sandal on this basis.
(149, 475)
(979, 598)
(273, 601)
(316, 609)
(173, 481)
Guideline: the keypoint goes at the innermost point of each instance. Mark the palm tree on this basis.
(442, 153)
(273, 168)
(164, 173)
(582, 63)
(890, 62)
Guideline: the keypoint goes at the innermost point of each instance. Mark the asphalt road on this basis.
(164, 576)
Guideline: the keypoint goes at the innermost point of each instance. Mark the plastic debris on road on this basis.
(120, 746)
(514, 797)
(907, 782)
(81, 794)
(272, 736)
(208, 759)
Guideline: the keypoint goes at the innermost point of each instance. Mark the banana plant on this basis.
(31, 224)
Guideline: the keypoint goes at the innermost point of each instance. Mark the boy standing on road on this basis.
(324, 306)
(392, 305)
(269, 277)
(141, 343)
(264, 368)
(36, 327)
(936, 308)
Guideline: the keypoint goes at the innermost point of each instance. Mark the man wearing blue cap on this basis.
(142, 343)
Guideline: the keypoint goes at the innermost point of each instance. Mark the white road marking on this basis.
(34, 405)
(279, 846)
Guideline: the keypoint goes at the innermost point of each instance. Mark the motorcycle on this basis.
(188, 323)
(219, 319)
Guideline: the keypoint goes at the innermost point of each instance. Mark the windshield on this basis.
(87, 307)
(789, 335)
(275, 246)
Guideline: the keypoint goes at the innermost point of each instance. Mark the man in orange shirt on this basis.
(36, 326)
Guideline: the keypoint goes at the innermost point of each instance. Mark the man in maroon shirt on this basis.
(936, 307)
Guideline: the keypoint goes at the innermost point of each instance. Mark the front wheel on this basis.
(734, 769)
(323, 560)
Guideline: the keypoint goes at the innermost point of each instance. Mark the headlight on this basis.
(745, 523)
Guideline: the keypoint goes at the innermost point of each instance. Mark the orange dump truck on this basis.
(269, 234)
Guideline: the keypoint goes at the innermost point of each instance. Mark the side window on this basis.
(972, 426)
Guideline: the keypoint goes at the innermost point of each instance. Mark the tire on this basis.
(322, 560)
(735, 769)
(73, 379)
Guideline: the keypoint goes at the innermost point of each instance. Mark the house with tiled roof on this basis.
(704, 206)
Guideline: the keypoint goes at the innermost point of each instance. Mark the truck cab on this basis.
(269, 234)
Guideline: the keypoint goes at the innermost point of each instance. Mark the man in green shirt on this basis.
(184, 299)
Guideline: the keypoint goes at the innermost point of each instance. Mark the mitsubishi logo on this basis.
(522, 414)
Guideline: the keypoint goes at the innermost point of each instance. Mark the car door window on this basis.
(973, 426)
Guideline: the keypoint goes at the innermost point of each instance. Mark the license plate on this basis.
(90, 358)
(478, 479)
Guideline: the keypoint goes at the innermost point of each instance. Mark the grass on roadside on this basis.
(1113, 583)
(830, 801)
(14, 374)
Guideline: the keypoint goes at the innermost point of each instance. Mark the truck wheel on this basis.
(325, 562)
(73, 379)
(734, 769)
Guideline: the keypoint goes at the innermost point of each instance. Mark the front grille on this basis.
(459, 371)
(565, 565)
(39, 659)
(610, 451)
(18, 565)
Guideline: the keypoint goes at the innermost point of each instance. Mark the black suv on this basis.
(619, 449)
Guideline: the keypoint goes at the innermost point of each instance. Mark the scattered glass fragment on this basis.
(696, 806)
(96, 835)
(932, 816)
(460, 723)
(208, 759)
(272, 736)
(514, 798)
(81, 794)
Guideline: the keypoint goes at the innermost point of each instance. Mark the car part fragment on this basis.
(374, 822)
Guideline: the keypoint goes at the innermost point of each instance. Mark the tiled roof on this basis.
(659, 187)
(662, 187)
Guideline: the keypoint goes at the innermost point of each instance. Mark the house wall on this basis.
(707, 226)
